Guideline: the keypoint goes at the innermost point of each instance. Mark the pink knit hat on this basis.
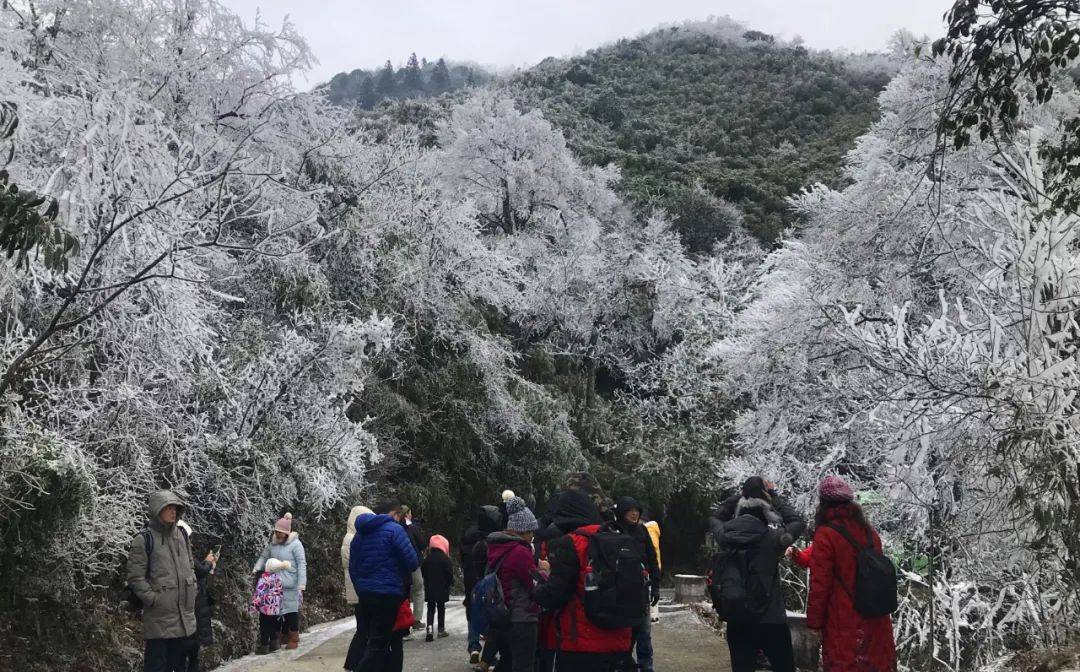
(835, 489)
(440, 542)
(284, 524)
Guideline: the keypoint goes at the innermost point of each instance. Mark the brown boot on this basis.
(275, 642)
(293, 641)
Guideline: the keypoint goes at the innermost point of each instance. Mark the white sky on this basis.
(348, 34)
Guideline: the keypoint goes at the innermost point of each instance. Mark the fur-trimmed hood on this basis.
(760, 508)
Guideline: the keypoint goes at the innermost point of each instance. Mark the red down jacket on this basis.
(566, 617)
(850, 642)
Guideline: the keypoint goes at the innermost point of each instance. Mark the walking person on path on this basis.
(356, 647)
(161, 574)
(473, 566)
(748, 575)
(628, 521)
(511, 551)
(204, 605)
(284, 545)
(569, 641)
(380, 558)
(416, 581)
(438, 573)
(851, 642)
(653, 528)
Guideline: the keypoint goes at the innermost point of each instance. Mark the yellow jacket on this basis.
(654, 533)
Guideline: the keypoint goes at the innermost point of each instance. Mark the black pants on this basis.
(745, 639)
(191, 658)
(356, 646)
(439, 607)
(166, 655)
(396, 660)
(377, 615)
(273, 625)
(517, 648)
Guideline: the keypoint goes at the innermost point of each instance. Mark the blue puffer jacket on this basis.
(380, 556)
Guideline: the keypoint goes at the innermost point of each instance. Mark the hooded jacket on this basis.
(749, 530)
(641, 534)
(564, 626)
(515, 574)
(294, 577)
(474, 547)
(168, 593)
(381, 556)
(346, 542)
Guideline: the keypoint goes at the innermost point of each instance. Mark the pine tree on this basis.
(440, 77)
(368, 98)
(412, 78)
(387, 84)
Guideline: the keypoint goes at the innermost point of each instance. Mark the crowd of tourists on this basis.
(575, 589)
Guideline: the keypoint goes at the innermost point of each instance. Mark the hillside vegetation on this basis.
(418, 78)
(709, 112)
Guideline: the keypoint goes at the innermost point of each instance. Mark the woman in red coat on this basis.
(850, 642)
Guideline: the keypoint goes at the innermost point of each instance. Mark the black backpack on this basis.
(739, 593)
(133, 601)
(875, 578)
(616, 580)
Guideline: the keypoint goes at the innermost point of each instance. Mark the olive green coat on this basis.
(168, 594)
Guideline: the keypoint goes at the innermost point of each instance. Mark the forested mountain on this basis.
(418, 78)
(270, 302)
(713, 105)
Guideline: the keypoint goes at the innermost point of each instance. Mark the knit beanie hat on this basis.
(754, 488)
(507, 495)
(284, 524)
(836, 490)
(440, 542)
(519, 517)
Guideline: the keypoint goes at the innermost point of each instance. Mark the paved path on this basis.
(681, 642)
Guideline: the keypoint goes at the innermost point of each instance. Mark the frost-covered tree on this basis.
(191, 342)
(918, 337)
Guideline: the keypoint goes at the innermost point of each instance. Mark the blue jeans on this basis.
(474, 636)
(643, 643)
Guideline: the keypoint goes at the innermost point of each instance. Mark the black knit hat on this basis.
(754, 488)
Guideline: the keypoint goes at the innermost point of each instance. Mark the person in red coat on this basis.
(569, 641)
(850, 642)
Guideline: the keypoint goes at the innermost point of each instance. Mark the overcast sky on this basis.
(349, 34)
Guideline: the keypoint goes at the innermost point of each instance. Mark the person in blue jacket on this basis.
(380, 556)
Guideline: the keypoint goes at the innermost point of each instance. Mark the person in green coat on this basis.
(164, 580)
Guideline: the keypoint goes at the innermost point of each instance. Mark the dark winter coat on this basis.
(438, 574)
(474, 544)
(168, 594)
(748, 530)
(641, 534)
(380, 556)
(564, 626)
(515, 574)
(850, 642)
(417, 535)
(204, 603)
